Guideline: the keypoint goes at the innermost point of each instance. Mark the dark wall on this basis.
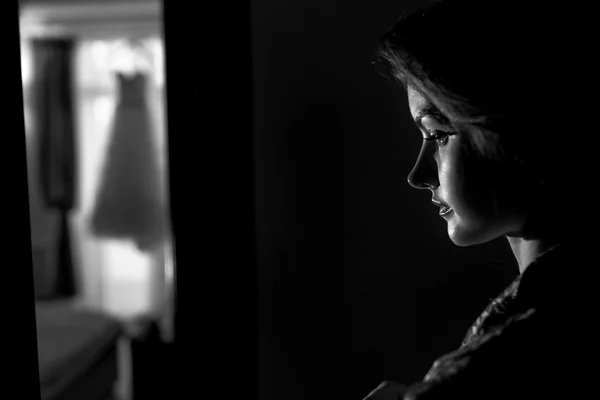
(358, 281)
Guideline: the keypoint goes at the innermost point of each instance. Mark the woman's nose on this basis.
(424, 173)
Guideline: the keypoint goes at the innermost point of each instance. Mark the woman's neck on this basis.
(527, 250)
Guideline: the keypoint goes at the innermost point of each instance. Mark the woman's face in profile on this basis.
(457, 179)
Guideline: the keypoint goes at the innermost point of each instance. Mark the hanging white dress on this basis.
(130, 202)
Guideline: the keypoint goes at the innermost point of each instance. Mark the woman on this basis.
(497, 91)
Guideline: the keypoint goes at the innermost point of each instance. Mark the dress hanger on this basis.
(142, 51)
(132, 56)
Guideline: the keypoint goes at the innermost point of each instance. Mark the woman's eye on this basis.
(440, 137)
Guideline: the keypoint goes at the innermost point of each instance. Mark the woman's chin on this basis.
(466, 241)
(466, 236)
(460, 240)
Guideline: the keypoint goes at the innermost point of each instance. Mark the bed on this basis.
(77, 352)
(77, 348)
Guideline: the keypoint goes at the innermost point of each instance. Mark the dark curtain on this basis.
(54, 122)
(130, 203)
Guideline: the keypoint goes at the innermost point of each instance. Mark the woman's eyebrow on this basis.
(433, 112)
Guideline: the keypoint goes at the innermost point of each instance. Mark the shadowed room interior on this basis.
(357, 279)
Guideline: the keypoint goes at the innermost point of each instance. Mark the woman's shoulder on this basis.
(532, 347)
(515, 360)
(493, 348)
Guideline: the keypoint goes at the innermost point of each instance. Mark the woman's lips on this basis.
(445, 210)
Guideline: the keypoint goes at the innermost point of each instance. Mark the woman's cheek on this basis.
(472, 184)
(462, 192)
(452, 178)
